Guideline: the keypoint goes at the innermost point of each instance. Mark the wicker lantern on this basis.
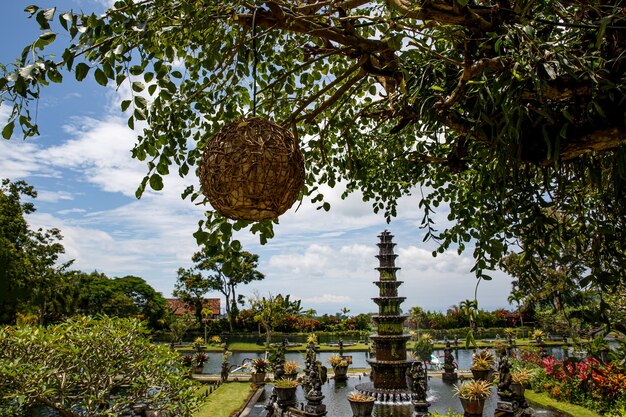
(252, 169)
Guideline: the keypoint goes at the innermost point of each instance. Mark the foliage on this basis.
(537, 334)
(483, 360)
(424, 347)
(521, 376)
(290, 367)
(311, 339)
(200, 358)
(360, 397)
(270, 311)
(31, 280)
(473, 390)
(260, 365)
(285, 383)
(336, 360)
(90, 367)
(225, 269)
(523, 146)
(179, 325)
(587, 382)
(198, 343)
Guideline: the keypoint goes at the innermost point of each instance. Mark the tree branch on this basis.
(445, 13)
(596, 141)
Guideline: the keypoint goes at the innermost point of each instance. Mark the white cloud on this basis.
(328, 299)
(53, 196)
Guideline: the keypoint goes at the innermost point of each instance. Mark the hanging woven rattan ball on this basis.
(252, 169)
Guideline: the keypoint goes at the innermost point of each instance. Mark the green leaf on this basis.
(81, 71)
(45, 39)
(100, 77)
(201, 237)
(138, 86)
(125, 104)
(156, 182)
(32, 9)
(7, 132)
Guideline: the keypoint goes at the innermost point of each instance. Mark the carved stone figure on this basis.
(417, 377)
(504, 370)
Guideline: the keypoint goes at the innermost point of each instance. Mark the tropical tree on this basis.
(517, 297)
(270, 311)
(90, 367)
(221, 271)
(30, 275)
(417, 317)
(191, 288)
(561, 288)
(497, 109)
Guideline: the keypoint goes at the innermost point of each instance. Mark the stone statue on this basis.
(279, 371)
(504, 370)
(448, 359)
(417, 377)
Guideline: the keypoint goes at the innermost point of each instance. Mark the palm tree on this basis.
(518, 297)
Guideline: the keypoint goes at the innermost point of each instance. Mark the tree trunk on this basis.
(268, 337)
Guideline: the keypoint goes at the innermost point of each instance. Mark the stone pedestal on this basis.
(506, 409)
(420, 408)
(314, 406)
(449, 376)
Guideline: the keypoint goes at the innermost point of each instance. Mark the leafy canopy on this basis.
(90, 367)
(510, 113)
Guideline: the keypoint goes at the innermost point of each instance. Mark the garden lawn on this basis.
(544, 400)
(226, 399)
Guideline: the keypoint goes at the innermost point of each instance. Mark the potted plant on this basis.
(215, 341)
(340, 367)
(198, 344)
(473, 394)
(225, 365)
(291, 369)
(259, 370)
(510, 333)
(199, 360)
(482, 365)
(519, 379)
(361, 404)
(286, 391)
(538, 336)
(187, 362)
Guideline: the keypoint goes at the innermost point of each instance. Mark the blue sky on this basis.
(86, 179)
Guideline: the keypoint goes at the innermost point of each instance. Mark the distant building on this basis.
(179, 307)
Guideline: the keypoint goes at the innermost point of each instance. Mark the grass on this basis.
(544, 400)
(225, 400)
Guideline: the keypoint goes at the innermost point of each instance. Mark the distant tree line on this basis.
(35, 286)
(455, 318)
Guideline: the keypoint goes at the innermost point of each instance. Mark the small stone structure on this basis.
(449, 368)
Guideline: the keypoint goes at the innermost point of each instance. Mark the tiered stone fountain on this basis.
(389, 368)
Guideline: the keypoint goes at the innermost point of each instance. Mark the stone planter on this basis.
(481, 374)
(517, 390)
(258, 378)
(473, 407)
(341, 373)
(197, 369)
(361, 408)
(286, 396)
(291, 376)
